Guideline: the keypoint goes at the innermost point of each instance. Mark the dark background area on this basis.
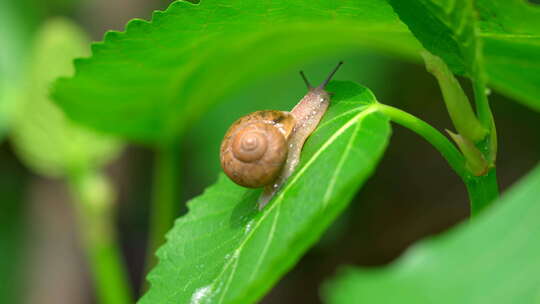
(412, 195)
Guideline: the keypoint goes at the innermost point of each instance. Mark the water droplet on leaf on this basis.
(201, 295)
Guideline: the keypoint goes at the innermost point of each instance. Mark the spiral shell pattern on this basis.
(254, 149)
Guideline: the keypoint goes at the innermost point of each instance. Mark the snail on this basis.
(262, 149)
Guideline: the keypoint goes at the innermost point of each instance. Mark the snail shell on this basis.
(255, 147)
(263, 148)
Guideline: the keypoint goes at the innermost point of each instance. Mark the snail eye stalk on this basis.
(309, 86)
(327, 80)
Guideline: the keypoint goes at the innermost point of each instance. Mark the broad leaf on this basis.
(44, 139)
(445, 28)
(226, 251)
(511, 37)
(493, 259)
(150, 81)
(500, 38)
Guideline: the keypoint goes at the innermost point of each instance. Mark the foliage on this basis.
(445, 28)
(163, 74)
(493, 259)
(14, 38)
(225, 251)
(52, 145)
(151, 83)
(510, 31)
(502, 37)
(64, 148)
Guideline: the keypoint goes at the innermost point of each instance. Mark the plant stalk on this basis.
(482, 190)
(482, 104)
(165, 202)
(452, 155)
(485, 116)
(95, 217)
(456, 101)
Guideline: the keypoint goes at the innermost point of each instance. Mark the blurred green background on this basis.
(412, 195)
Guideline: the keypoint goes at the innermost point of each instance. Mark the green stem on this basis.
(452, 155)
(482, 189)
(478, 78)
(482, 104)
(164, 207)
(95, 218)
(485, 116)
(111, 279)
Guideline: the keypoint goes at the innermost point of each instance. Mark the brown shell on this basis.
(254, 149)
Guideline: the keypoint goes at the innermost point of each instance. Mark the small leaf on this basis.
(44, 139)
(476, 163)
(225, 251)
(150, 82)
(494, 259)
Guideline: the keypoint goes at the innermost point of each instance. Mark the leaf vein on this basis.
(337, 171)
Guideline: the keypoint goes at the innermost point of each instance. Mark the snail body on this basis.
(263, 148)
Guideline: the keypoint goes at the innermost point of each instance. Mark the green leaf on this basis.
(446, 28)
(511, 38)
(150, 82)
(493, 259)
(500, 37)
(17, 22)
(44, 139)
(225, 251)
